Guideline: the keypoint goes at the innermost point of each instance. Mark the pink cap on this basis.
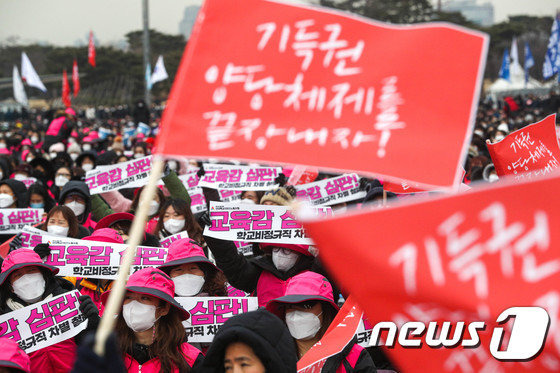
(105, 235)
(154, 282)
(185, 251)
(302, 249)
(22, 258)
(12, 356)
(304, 287)
(70, 111)
(27, 142)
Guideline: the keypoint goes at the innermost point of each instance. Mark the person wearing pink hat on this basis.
(192, 272)
(266, 275)
(149, 328)
(26, 280)
(12, 357)
(60, 128)
(308, 308)
(93, 287)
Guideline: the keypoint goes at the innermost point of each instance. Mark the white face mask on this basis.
(57, 230)
(498, 138)
(188, 285)
(6, 200)
(60, 181)
(34, 139)
(3, 145)
(52, 155)
(86, 147)
(29, 159)
(138, 155)
(302, 325)
(247, 201)
(1, 175)
(493, 178)
(20, 177)
(139, 316)
(74, 156)
(87, 166)
(284, 262)
(154, 207)
(77, 207)
(29, 287)
(174, 225)
(172, 165)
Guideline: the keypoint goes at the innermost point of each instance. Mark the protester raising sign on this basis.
(209, 313)
(471, 257)
(295, 85)
(223, 176)
(45, 323)
(13, 220)
(338, 189)
(131, 174)
(198, 201)
(240, 222)
(528, 152)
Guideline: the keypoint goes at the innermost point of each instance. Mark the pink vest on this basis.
(57, 358)
(153, 366)
(55, 126)
(352, 358)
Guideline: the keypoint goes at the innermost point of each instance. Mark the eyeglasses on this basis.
(305, 305)
(282, 250)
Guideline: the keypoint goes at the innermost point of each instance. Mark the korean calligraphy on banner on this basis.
(223, 176)
(229, 195)
(245, 248)
(129, 174)
(81, 258)
(209, 313)
(528, 152)
(189, 180)
(473, 256)
(44, 323)
(31, 237)
(258, 223)
(198, 201)
(296, 83)
(29, 181)
(338, 189)
(13, 220)
(164, 243)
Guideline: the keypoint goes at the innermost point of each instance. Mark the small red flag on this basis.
(75, 78)
(65, 90)
(91, 50)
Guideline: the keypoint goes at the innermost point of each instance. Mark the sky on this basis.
(66, 22)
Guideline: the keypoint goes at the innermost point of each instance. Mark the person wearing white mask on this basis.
(308, 309)
(149, 326)
(192, 272)
(86, 161)
(251, 197)
(26, 280)
(75, 195)
(175, 216)
(61, 221)
(8, 196)
(61, 177)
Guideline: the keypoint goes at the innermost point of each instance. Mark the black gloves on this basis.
(43, 250)
(88, 361)
(200, 172)
(204, 219)
(16, 243)
(281, 179)
(90, 311)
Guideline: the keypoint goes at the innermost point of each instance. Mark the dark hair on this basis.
(40, 189)
(169, 335)
(136, 200)
(182, 208)
(69, 216)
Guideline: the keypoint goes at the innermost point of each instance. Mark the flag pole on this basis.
(116, 296)
(146, 49)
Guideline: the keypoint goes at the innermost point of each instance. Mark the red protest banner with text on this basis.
(462, 257)
(296, 85)
(528, 152)
(338, 335)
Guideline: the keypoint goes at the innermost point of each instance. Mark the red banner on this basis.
(457, 258)
(295, 85)
(339, 334)
(75, 78)
(65, 90)
(91, 50)
(528, 152)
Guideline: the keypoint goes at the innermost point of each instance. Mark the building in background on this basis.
(186, 24)
(482, 14)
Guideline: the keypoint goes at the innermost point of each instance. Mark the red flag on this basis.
(462, 257)
(302, 85)
(340, 333)
(528, 152)
(65, 90)
(91, 50)
(75, 78)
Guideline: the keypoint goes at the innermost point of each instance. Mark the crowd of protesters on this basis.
(297, 298)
